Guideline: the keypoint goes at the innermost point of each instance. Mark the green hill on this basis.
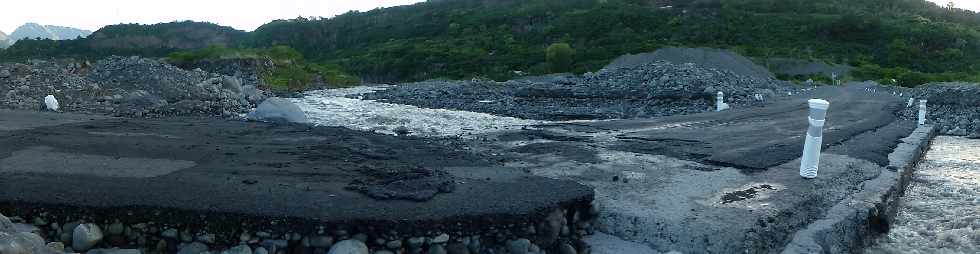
(913, 41)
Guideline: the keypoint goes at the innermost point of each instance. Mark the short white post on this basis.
(911, 100)
(814, 138)
(922, 112)
(720, 102)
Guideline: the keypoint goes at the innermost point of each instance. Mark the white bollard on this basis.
(922, 112)
(814, 138)
(720, 102)
(911, 100)
(51, 102)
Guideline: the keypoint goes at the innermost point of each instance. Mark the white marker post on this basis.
(922, 112)
(911, 100)
(720, 102)
(814, 138)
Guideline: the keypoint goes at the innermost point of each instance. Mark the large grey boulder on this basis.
(231, 84)
(86, 236)
(349, 247)
(13, 241)
(278, 110)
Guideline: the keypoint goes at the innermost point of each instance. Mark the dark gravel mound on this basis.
(646, 90)
(125, 86)
(705, 57)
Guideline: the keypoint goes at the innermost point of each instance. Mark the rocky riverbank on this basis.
(953, 107)
(126, 86)
(635, 91)
(41, 230)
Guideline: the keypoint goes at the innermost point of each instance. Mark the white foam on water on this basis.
(333, 108)
(940, 212)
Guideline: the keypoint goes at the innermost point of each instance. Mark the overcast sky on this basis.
(241, 14)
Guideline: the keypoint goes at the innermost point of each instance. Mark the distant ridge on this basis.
(4, 40)
(35, 30)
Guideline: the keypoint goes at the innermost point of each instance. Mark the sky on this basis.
(241, 14)
(972, 5)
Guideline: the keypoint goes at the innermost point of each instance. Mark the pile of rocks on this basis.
(953, 107)
(21, 238)
(126, 86)
(643, 90)
(561, 230)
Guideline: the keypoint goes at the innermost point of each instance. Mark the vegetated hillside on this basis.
(462, 38)
(912, 41)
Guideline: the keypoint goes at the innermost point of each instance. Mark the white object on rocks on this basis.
(278, 110)
(720, 102)
(51, 103)
(911, 100)
(86, 236)
(814, 138)
(922, 112)
(349, 247)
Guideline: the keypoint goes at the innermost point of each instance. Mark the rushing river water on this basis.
(332, 108)
(940, 212)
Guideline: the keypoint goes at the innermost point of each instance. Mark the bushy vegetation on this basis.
(289, 73)
(911, 41)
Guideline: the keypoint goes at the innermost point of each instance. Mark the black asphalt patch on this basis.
(764, 137)
(260, 169)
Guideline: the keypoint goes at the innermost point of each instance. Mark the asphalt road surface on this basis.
(253, 169)
(864, 123)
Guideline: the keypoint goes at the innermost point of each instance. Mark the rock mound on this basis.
(125, 86)
(705, 57)
(643, 90)
(954, 107)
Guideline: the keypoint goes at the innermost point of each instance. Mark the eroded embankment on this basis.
(855, 220)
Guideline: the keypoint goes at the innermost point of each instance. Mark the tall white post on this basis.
(814, 138)
(922, 112)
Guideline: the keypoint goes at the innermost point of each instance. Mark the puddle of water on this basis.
(333, 108)
(940, 212)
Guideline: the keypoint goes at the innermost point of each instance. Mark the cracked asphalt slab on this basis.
(255, 169)
(764, 137)
(718, 182)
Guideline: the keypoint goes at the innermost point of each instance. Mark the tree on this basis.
(560, 57)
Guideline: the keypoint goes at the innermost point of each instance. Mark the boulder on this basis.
(51, 103)
(86, 236)
(240, 249)
(192, 248)
(231, 84)
(349, 247)
(278, 110)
